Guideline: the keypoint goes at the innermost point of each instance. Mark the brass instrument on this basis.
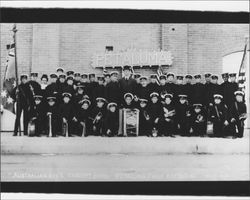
(65, 129)
(200, 118)
(50, 125)
(96, 120)
(83, 129)
(146, 115)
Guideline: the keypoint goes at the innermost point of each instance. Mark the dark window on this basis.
(109, 48)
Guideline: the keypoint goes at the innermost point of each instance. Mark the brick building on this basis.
(196, 48)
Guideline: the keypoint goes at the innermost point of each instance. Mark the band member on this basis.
(218, 115)
(111, 121)
(170, 83)
(22, 95)
(70, 73)
(137, 77)
(84, 82)
(127, 83)
(61, 84)
(213, 89)
(77, 79)
(52, 110)
(226, 90)
(69, 88)
(233, 87)
(38, 114)
(91, 86)
(183, 116)
(34, 85)
(198, 96)
(129, 102)
(154, 108)
(97, 116)
(167, 117)
(83, 115)
(59, 71)
(44, 84)
(67, 113)
(207, 86)
(153, 85)
(238, 114)
(188, 88)
(198, 120)
(80, 95)
(143, 92)
(162, 86)
(145, 128)
(112, 89)
(106, 78)
(179, 88)
(99, 90)
(52, 88)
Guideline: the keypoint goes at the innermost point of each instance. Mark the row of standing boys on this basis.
(168, 106)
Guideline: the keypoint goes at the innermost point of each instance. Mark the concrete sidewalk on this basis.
(122, 145)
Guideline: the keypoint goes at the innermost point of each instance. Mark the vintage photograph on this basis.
(124, 102)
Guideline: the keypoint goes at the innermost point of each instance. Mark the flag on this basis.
(242, 70)
(9, 79)
(159, 73)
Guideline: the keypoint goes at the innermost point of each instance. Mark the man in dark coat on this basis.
(207, 86)
(127, 83)
(162, 87)
(198, 96)
(22, 95)
(198, 120)
(179, 88)
(153, 85)
(213, 89)
(170, 83)
(225, 89)
(145, 126)
(229, 89)
(61, 84)
(91, 86)
(99, 90)
(52, 88)
(33, 83)
(188, 88)
(143, 92)
(112, 89)
(85, 83)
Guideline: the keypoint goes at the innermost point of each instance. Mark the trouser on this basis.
(220, 129)
(39, 126)
(166, 128)
(199, 129)
(145, 128)
(238, 128)
(96, 128)
(184, 128)
(25, 119)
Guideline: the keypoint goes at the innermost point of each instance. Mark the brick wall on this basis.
(197, 48)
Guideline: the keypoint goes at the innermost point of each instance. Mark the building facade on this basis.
(195, 48)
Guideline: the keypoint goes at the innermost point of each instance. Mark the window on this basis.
(109, 48)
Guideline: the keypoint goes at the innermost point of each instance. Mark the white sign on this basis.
(132, 58)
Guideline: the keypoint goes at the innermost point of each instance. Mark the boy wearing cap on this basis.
(52, 110)
(219, 116)
(170, 83)
(143, 92)
(23, 93)
(226, 90)
(97, 116)
(162, 86)
(67, 113)
(154, 108)
(99, 90)
(37, 114)
(112, 89)
(232, 88)
(238, 114)
(59, 71)
(111, 121)
(198, 96)
(106, 78)
(91, 86)
(213, 89)
(145, 128)
(207, 88)
(83, 117)
(188, 88)
(183, 115)
(128, 101)
(179, 87)
(61, 84)
(153, 85)
(34, 85)
(52, 88)
(198, 120)
(167, 117)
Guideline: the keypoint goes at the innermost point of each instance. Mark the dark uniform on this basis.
(170, 84)
(153, 86)
(199, 124)
(91, 86)
(44, 85)
(213, 89)
(219, 116)
(97, 116)
(207, 89)
(52, 88)
(52, 109)
(138, 84)
(145, 126)
(129, 102)
(111, 121)
(84, 82)
(167, 118)
(188, 88)
(83, 114)
(35, 87)
(143, 91)
(154, 108)
(38, 114)
(162, 86)
(198, 96)
(112, 90)
(99, 90)
(183, 115)
(238, 112)
(179, 88)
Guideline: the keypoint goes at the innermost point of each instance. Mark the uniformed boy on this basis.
(162, 86)
(167, 117)
(179, 87)
(145, 128)
(198, 96)
(61, 84)
(99, 90)
(59, 71)
(170, 83)
(188, 88)
(183, 115)
(153, 85)
(213, 89)
(92, 85)
(218, 115)
(111, 121)
(52, 110)
(67, 113)
(112, 89)
(207, 86)
(83, 114)
(34, 85)
(228, 96)
(38, 115)
(154, 109)
(129, 102)
(199, 124)
(238, 114)
(106, 78)
(70, 73)
(97, 116)
(77, 78)
(52, 88)
(143, 92)
(44, 84)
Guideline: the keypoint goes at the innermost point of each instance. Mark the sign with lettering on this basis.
(132, 58)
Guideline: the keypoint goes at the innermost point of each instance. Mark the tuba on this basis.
(50, 125)
(65, 129)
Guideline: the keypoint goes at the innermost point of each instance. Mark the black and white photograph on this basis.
(124, 102)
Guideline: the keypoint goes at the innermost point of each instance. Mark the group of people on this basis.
(168, 105)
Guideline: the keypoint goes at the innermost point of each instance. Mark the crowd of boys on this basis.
(168, 104)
